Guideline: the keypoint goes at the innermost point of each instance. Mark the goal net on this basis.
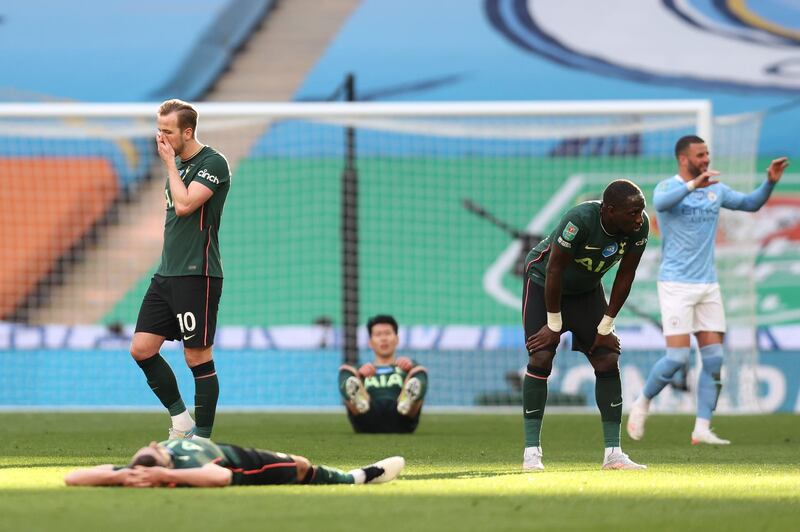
(338, 212)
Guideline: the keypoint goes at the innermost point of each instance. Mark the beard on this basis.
(695, 171)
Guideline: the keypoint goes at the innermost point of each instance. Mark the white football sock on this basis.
(182, 421)
(358, 476)
(610, 450)
(701, 425)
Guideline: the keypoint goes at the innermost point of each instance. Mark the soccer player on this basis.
(687, 208)
(182, 300)
(203, 463)
(385, 395)
(563, 292)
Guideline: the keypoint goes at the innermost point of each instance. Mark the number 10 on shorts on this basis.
(187, 322)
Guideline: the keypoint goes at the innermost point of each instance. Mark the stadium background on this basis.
(274, 322)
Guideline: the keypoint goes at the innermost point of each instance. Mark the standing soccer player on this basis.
(687, 208)
(563, 292)
(183, 298)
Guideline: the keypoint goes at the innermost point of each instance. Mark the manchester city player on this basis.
(687, 208)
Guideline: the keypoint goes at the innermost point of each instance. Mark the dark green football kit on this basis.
(249, 466)
(183, 298)
(593, 252)
(382, 417)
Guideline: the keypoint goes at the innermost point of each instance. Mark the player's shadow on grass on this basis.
(461, 475)
(31, 466)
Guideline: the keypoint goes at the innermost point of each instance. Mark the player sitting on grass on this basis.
(202, 463)
(385, 395)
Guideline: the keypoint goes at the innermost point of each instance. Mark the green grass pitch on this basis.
(463, 473)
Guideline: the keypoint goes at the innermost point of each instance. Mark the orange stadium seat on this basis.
(40, 222)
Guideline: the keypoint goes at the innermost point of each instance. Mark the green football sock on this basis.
(608, 394)
(162, 381)
(330, 475)
(534, 397)
(206, 394)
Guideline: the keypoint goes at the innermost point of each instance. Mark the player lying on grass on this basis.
(385, 395)
(202, 463)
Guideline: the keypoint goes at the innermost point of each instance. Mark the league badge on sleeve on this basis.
(569, 232)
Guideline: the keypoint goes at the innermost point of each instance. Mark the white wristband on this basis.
(690, 185)
(606, 325)
(554, 321)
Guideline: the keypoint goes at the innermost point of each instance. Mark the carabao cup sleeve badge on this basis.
(569, 232)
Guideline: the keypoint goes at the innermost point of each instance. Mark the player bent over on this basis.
(385, 395)
(563, 292)
(203, 463)
(687, 206)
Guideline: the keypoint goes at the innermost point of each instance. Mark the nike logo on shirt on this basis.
(615, 404)
(590, 247)
(532, 411)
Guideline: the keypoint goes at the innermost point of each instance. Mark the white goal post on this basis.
(446, 271)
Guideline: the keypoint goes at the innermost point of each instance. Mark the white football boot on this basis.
(708, 436)
(177, 434)
(356, 394)
(380, 472)
(637, 418)
(409, 395)
(616, 459)
(532, 459)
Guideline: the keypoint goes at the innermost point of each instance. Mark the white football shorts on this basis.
(688, 308)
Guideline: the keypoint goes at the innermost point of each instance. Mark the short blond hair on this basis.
(187, 115)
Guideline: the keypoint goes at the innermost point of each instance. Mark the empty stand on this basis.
(49, 204)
